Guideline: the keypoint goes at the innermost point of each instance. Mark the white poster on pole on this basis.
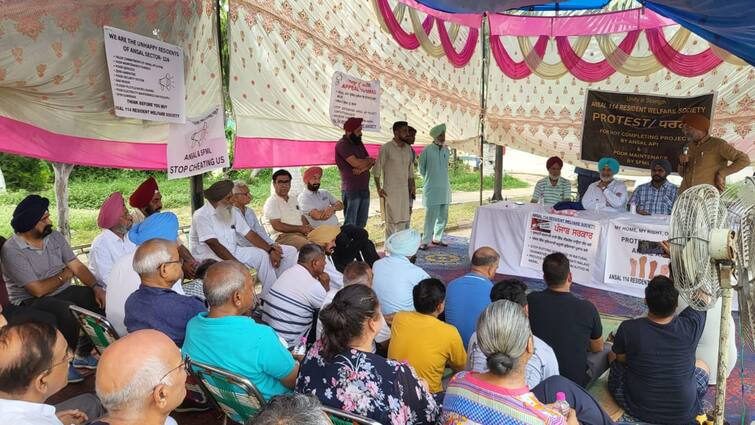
(577, 238)
(634, 255)
(197, 146)
(146, 77)
(352, 97)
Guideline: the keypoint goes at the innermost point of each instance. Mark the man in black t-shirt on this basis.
(654, 375)
(570, 325)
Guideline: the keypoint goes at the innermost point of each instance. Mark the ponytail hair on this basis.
(343, 320)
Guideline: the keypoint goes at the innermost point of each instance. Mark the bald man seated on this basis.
(155, 305)
(141, 379)
(468, 295)
(228, 338)
(34, 359)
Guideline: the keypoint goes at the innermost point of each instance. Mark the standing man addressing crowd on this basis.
(395, 166)
(433, 166)
(707, 159)
(354, 165)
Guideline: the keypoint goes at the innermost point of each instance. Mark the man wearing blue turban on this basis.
(606, 194)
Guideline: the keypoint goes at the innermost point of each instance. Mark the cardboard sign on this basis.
(197, 146)
(146, 77)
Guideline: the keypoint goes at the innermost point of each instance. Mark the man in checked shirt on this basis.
(658, 196)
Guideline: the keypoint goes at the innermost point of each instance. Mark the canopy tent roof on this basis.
(55, 91)
(55, 96)
(728, 24)
(498, 6)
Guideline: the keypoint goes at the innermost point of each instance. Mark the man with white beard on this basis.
(606, 194)
(214, 229)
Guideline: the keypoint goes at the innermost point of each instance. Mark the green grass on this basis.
(86, 194)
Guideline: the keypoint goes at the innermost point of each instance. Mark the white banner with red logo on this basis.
(577, 238)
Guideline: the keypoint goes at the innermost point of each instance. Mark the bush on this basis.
(22, 173)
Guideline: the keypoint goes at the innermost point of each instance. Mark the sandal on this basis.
(423, 247)
(440, 243)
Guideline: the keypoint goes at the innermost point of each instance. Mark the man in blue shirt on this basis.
(468, 295)
(658, 196)
(228, 338)
(154, 305)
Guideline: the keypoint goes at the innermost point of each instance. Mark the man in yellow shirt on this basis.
(426, 343)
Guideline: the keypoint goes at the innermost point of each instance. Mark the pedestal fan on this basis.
(711, 240)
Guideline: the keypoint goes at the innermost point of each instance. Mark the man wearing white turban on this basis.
(395, 275)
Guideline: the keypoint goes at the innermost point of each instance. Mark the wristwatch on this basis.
(269, 250)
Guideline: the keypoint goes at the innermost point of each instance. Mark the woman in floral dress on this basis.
(342, 372)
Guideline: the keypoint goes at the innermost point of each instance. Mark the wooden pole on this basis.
(62, 172)
(498, 183)
(483, 96)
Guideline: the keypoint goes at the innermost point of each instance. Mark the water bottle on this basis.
(633, 208)
(561, 405)
(301, 348)
(541, 200)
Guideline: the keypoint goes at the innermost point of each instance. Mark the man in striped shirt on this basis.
(658, 196)
(554, 188)
(291, 303)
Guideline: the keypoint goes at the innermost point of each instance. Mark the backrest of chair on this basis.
(236, 396)
(98, 329)
(340, 417)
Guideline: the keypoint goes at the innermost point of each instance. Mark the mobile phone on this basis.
(649, 247)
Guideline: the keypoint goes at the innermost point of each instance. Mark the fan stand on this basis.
(724, 273)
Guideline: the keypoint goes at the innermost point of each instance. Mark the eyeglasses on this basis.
(284, 182)
(185, 363)
(179, 261)
(66, 360)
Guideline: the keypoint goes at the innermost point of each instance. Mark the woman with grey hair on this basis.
(501, 394)
(291, 409)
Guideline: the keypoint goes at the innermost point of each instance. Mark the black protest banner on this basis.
(635, 128)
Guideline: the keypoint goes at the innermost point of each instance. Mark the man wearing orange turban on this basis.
(707, 158)
(112, 243)
(318, 205)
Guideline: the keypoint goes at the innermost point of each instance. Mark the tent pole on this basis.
(498, 170)
(483, 96)
(62, 172)
(196, 188)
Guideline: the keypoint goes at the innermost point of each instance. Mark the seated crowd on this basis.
(331, 319)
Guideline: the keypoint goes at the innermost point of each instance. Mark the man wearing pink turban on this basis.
(112, 243)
